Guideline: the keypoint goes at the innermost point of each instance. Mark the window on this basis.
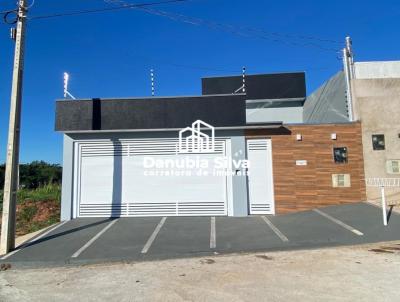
(341, 180)
(340, 155)
(393, 166)
(378, 142)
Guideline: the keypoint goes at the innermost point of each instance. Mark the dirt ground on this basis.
(33, 216)
(361, 273)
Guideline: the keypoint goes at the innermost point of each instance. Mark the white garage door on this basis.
(112, 180)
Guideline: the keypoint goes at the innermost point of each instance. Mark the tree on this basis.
(35, 174)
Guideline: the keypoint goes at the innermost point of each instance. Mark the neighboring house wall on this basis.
(378, 106)
(328, 104)
(306, 187)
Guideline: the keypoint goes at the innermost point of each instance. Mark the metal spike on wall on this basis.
(66, 81)
(152, 82)
(244, 79)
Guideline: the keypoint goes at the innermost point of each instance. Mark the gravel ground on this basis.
(360, 273)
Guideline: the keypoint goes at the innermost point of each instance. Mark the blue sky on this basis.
(110, 54)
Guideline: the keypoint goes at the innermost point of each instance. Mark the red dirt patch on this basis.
(35, 215)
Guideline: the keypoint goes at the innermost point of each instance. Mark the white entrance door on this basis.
(260, 179)
(112, 180)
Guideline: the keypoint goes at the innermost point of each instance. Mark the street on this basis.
(353, 273)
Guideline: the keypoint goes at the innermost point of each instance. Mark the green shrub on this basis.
(27, 213)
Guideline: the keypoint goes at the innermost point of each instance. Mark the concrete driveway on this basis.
(84, 241)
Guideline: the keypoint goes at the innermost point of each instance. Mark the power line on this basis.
(243, 31)
(199, 21)
(16, 9)
(293, 36)
(248, 32)
(7, 11)
(90, 11)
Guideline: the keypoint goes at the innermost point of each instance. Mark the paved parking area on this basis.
(84, 241)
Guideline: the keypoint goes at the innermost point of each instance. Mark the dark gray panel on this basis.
(264, 86)
(76, 116)
(152, 113)
(132, 114)
(221, 85)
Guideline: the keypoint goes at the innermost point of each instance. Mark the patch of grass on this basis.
(45, 193)
(27, 213)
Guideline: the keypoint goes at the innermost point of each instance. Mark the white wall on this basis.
(377, 70)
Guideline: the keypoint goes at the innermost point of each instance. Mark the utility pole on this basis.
(348, 65)
(11, 174)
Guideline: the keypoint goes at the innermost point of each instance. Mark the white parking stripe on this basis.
(337, 221)
(90, 242)
(153, 236)
(213, 241)
(33, 240)
(275, 229)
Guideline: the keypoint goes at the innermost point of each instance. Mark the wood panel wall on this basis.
(299, 188)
